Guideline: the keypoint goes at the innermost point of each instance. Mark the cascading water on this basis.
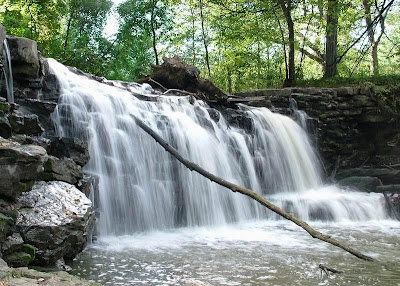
(142, 187)
(145, 194)
(7, 72)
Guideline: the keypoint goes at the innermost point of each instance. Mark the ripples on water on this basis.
(253, 253)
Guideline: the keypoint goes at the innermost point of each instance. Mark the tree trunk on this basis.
(331, 39)
(153, 29)
(247, 192)
(286, 9)
(205, 40)
(193, 37)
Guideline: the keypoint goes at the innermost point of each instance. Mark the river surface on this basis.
(251, 253)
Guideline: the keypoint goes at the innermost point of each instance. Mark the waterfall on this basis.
(142, 187)
(7, 72)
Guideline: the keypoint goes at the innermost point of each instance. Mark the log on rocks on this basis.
(247, 192)
(173, 73)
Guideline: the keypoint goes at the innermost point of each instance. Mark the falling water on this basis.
(7, 72)
(143, 188)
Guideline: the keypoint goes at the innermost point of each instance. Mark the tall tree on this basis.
(374, 41)
(331, 47)
(205, 38)
(286, 6)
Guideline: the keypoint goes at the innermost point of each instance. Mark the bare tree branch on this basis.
(247, 192)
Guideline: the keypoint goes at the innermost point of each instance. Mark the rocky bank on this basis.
(45, 215)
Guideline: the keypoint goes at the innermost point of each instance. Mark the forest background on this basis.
(240, 45)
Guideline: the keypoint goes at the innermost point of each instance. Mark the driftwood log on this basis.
(247, 192)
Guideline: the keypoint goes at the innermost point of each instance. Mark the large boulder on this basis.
(20, 165)
(24, 57)
(366, 184)
(66, 147)
(57, 219)
(27, 124)
(65, 170)
(388, 176)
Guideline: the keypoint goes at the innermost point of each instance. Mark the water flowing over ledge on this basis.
(143, 188)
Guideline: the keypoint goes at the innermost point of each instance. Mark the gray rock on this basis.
(386, 175)
(3, 34)
(73, 148)
(389, 189)
(30, 277)
(27, 124)
(5, 128)
(13, 243)
(24, 57)
(43, 109)
(88, 185)
(20, 165)
(367, 184)
(18, 259)
(57, 219)
(6, 224)
(65, 170)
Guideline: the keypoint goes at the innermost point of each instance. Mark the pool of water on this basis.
(251, 253)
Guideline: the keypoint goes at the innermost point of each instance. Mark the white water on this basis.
(144, 188)
(7, 72)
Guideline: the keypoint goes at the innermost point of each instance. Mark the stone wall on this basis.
(352, 130)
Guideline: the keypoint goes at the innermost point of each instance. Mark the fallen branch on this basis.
(247, 192)
(327, 269)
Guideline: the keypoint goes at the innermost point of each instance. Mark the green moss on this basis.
(18, 259)
(5, 223)
(30, 249)
(4, 108)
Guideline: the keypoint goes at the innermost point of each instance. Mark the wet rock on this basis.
(24, 57)
(2, 37)
(238, 119)
(13, 243)
(43, 109)
(6, 224)
(20, 165)
(5, 127)
(386, 175)
(65, 170)
(88, 185)
(18, 259)
(57, 219)
(389, 189)
(27, 124)
(65, 147)
(368, 184)
(5, 108)
(30, 277)
(31, 140)
(51, 89)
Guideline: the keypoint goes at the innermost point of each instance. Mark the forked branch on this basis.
(247, 192)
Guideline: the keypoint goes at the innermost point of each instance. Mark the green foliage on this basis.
(247, 40)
